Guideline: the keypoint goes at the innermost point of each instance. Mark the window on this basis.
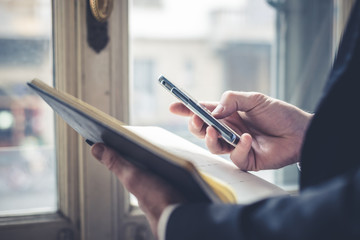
(308, 34)
(207, 48)
(62, 55)
(143, 98)
(27, 151)
(147, 3)
(281, 48)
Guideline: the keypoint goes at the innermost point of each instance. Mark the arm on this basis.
(253, 113)
(327, 211)
(271, 130)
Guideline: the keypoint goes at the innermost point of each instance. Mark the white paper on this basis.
(247, 186)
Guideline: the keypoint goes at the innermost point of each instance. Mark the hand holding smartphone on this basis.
(229, 135)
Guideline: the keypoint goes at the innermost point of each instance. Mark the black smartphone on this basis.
(226, 132)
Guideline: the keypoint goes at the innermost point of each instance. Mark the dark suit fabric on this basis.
(328, 205)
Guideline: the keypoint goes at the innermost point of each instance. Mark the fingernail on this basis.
(98, 151)
(219, 108)
(89, 142)
(245, 138)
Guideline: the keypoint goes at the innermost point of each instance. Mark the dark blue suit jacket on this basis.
(328, 206)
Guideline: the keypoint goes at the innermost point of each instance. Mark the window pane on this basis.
(206, 47)
(27, 154)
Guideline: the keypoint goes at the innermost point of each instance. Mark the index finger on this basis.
(180, 109)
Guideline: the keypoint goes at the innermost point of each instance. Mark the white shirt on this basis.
(164, 218)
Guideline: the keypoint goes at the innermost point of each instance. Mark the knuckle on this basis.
(228, 95)
(110, 161)
(197, 131)
(258, 97)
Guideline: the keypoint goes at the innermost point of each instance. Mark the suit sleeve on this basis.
(327, 211)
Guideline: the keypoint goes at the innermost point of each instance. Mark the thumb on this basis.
(97, 150)
(240, 155)
(110, 159)
(232, 101)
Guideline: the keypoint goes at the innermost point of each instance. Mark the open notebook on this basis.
(198, 174)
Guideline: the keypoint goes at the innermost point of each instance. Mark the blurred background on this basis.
(206, 47)
(27, 154)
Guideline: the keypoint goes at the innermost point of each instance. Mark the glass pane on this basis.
(27, 154)
(207, 47)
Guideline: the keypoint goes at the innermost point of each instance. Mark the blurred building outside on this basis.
(27, 153)
(206, 47)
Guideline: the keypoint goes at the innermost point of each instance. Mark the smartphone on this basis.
(229, 135)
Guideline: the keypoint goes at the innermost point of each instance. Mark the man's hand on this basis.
(153, 194)
(271, 131)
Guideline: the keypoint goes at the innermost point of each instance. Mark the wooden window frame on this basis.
(91, 202)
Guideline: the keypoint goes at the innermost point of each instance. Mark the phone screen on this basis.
(226, 132)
